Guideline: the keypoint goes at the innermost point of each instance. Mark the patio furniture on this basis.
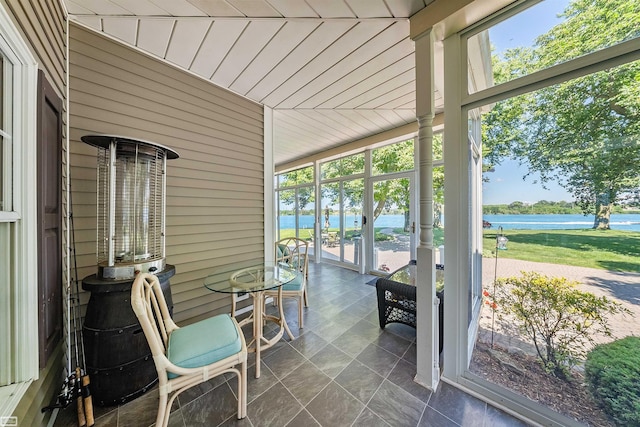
(255, 281)
(189, 355)
(396, 295)
(333, 239)
(293, 252)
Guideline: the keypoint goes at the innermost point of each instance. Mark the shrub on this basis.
(613, 373)
(560, 320)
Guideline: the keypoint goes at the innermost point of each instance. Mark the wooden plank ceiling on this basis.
(334, 71)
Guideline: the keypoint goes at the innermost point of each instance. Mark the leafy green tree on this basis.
(583, 133)
(389, 194)
(393, 158)
(306, 193)
(352, 190)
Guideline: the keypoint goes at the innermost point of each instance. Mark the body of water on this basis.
(627, 222)
(306, 221)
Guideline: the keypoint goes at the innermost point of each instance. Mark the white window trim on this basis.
(23, 312)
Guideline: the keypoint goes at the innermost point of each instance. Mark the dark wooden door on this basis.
(49, 155)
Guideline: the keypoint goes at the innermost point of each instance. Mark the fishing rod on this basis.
(75, 386)
(83, 381)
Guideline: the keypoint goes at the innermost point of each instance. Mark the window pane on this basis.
(296, 177)
(393, 158)
(6, 151)
(286, 213)
(2, 172)
(307, 215)
(561, 231)
(437, 146)
(549, 33)
(2, 82)
(2, 143)
(345, 166)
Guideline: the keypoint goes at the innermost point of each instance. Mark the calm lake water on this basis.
(306, 221)
(627, 222)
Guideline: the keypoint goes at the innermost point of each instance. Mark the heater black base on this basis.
(118, 358)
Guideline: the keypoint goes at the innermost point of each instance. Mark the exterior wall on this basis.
(43, 24)
(215, 190)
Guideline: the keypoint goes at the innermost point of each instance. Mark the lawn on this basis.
(604, 249)
(612, 250)
(438, 234)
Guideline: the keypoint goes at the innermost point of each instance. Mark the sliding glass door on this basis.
(341, 200)
(392, 207)
(394, 227)
(341, 221)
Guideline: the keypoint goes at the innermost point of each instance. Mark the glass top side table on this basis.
(255, 281)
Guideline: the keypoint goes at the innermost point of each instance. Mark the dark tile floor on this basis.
(341, 370)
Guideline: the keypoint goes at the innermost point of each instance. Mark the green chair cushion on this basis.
(294, 285)
(203, 342)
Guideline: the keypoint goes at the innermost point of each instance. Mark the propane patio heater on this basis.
(130, 239)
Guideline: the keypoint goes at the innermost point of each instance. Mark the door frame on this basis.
(341, 233)
(411, 175)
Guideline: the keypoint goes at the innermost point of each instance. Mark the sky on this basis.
(506, 184)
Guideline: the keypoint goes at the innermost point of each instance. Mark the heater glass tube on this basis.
(133, 206)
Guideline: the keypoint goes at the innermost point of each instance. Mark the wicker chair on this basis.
(294, 252)
(397, 298)
(187, 356)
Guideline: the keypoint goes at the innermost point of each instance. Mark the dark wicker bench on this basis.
(397, 298)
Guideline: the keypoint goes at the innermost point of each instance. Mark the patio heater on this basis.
(131, 200)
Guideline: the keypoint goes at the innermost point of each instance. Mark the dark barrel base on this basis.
(114, 386)
(118, 357)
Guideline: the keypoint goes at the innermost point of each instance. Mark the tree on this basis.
(389, 194)
(306, 194)
(352, 190)
(583, 133)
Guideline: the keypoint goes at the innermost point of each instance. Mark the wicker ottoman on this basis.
(397, 298)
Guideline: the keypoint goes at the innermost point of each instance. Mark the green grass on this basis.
(604, 249)
(438, 234)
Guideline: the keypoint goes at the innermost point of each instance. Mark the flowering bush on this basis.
(488, 300)
(560, 320)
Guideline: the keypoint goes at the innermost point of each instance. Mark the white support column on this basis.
(269, 188)
(456, 196)
(428, 369)
(317, 234)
